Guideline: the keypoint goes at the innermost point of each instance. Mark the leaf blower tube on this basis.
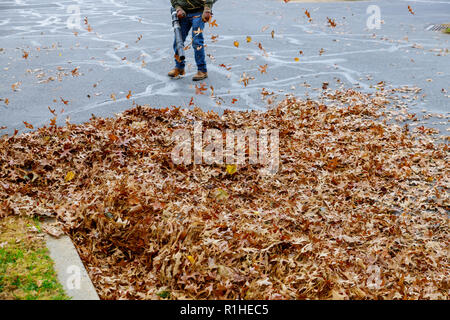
(178, 37)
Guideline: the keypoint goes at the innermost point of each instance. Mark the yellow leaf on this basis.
(191, 259)
(297, 59)
(69, 176)
(231, 169)
(249, 39)
(236, 44)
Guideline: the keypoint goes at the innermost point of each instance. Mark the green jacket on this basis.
(191, 5)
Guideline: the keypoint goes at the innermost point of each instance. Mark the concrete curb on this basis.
(70, 270)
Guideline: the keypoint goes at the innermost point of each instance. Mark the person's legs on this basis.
(185, 25)
(198, 42)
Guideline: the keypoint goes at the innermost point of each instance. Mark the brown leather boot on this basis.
(175, 73)
(200, 76)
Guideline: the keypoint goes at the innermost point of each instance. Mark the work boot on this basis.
(200, 76)
(175, 73)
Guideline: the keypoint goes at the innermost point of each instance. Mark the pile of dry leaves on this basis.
(358, 209)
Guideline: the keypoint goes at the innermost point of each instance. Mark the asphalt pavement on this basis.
(120, 52)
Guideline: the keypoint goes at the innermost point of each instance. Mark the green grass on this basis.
(446, 30)
(26, 270)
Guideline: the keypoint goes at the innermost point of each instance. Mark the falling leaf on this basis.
(249, 39)
(236, 44)
(263, 69)
(200, 89)
(308, 15)
(129, 94)
(53, 122)
(245, 79)
(228, 68)
(212, 24)
(221, 194)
